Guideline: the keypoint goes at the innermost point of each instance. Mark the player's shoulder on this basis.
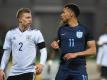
(103, 36)
(12, 29)
(102, 39)
(83, 26)
(63, 26)
(34, 29)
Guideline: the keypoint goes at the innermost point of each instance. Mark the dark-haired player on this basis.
(75, 42)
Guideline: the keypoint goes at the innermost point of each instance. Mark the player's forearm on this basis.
(5, 59)
(88, 52)
(43, 57)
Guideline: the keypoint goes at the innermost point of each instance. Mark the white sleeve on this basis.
(39, 38)
(43, 56)
(5, 58)
(102, 40)
(99, 55)
(41, 45)
(7, 43)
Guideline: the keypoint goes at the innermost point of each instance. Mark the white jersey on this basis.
(23, 46)
(102, 51)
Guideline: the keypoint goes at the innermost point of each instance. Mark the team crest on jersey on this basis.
(28, 37)
(79, 34)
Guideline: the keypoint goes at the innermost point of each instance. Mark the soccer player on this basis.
(75, 42)
(23, 41)
(102, 54)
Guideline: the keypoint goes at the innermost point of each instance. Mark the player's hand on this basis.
(39, 68)
(55, 45)
(70, 56)
(1, 74)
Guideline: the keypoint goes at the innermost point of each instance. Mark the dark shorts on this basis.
(104, 72)
(72, 72)
(25, 76)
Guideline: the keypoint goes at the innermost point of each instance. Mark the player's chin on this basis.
(65, 20)
(38, 73)
(62, 19)
(29, 24)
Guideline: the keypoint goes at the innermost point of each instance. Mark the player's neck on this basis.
(23, 28)
(73, 22)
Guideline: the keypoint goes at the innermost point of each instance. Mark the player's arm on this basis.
(43, 51)
(42, 47)
(4, 62)
(91, 50)
(90, 43)
(5, 59)
(6, 55)
(55, 44)
(91, 47)
(43, 57)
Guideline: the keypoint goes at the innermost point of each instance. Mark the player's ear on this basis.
(19, 20)
(72, 13)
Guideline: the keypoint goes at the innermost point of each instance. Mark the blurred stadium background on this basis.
(46, 18)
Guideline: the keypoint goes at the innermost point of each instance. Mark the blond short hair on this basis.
(21, 11)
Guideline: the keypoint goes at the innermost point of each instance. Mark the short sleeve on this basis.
(102, 40)
(89, 35)
(7, 42)
(39, 40)
(39, 37)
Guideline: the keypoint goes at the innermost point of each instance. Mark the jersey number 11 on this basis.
(71, 43)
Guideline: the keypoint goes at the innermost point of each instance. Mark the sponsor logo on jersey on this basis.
(79, 34)
(63, 34)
